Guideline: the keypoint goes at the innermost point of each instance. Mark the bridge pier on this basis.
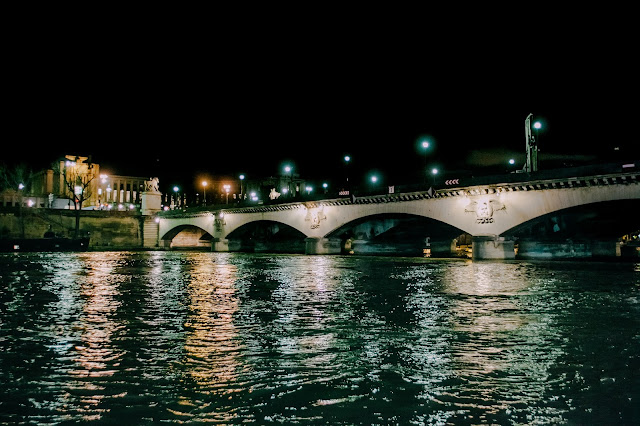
(219, 244)
(492, 247)
(322, 245)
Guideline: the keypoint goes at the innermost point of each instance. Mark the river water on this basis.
(145, 337)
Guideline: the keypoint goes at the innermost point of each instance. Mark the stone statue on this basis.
(152, 185)
(274, 194)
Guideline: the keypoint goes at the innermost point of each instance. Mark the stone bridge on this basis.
(540, 217)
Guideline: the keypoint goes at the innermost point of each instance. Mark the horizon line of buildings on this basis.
(99, 190)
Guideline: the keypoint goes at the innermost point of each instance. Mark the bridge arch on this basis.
(604, 220)
(187, 236)
(266, 236)
(401, 234)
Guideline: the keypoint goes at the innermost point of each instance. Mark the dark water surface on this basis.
(230, 338)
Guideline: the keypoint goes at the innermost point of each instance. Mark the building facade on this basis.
(75, 178)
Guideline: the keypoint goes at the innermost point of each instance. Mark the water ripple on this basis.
(232, 338)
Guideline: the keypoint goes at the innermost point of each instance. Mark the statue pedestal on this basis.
(151, 203)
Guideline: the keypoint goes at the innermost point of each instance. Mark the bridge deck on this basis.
(625, 178)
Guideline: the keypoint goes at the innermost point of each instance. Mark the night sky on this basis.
(162, 107)
(178, 142)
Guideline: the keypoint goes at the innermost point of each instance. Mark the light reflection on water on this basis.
(231, 338)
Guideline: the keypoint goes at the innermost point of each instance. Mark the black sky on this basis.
(157, 103)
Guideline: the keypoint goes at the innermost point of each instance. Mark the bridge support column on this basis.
(219, 244)
(322, 246)
(486, 247)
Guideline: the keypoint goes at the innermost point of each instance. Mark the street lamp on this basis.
(176, 189)
(531, 144)
(347, 159)
(227, 188)
(204, 186)
(289, 170)
(434, 172)
(425, 146)
(241, 187)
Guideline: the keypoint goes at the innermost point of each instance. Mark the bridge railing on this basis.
(439, 188)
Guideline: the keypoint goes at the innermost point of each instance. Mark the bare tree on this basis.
(77, 177)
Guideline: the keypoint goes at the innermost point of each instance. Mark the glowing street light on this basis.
(204, 186)
(425, 144)
(176, 195)
(434, 172)
(288, 169)
(347, 159)
(227, 188)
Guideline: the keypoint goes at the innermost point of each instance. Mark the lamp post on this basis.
(176, 195)
(241, 188)
(289, 170)
(425, 146)
(531, 144)
(434, 172)
(204, 186)
(347, 159)
(227, 188)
